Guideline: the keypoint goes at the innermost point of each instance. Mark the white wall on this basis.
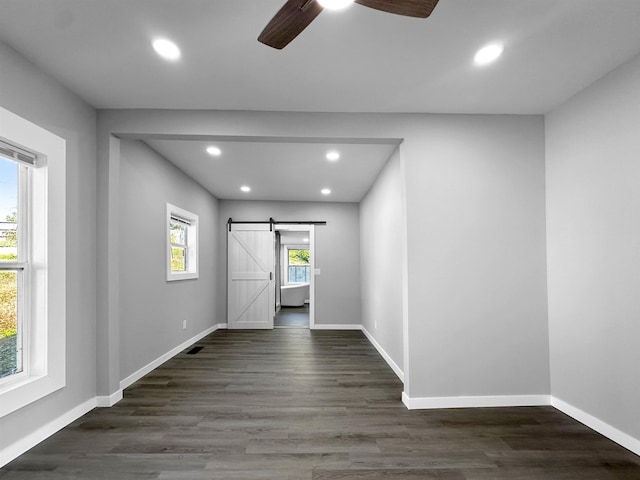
(337, 252)
(381, 253)
(27, 92)
(593, 238)
(476, 250)
(148, 303)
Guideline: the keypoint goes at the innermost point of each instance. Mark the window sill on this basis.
(172, 277)
(26, 390)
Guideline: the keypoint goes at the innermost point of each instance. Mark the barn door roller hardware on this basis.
(272, 223)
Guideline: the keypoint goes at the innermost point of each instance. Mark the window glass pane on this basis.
(8, 210)
(178, 233)
(298, 257)
(178, 259)
(298, 274)
(9, 348)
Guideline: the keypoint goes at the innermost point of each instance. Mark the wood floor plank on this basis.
(309, 405)
(399, 474)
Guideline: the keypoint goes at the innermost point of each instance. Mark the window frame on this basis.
(45, 277)
(191, 248)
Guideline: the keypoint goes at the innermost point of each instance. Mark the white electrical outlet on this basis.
(184, 324)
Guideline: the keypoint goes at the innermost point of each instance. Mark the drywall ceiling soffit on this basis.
(279, 170)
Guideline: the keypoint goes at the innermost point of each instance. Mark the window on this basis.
(178, 231)
(298, 265)
(182, 243)
(32, 262)
(14, 264)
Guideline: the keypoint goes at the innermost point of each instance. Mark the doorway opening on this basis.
(294, 286)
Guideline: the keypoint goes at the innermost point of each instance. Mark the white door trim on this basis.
(312, 264)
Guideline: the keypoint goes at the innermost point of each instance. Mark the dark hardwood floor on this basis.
(301, 404)
(292, 317)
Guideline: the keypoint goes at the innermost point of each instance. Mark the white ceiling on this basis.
(279, 170)
(358, 60)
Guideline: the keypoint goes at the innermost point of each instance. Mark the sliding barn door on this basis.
(251, 286)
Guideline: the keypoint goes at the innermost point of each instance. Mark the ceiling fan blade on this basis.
(408, 8)
(290, 20)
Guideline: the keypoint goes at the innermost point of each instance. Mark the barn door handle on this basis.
(270, 275)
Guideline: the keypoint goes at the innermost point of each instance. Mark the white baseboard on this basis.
(17, 448)
(109, 401)
(337, 326)
(396, 369)
(134, 377)
(627, 441)
(472, 402)
(621, 438)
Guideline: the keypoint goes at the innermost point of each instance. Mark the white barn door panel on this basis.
(251, 284)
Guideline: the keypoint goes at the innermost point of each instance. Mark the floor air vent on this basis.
(194, 350)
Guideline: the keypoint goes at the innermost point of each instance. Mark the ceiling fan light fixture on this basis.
(335, 4)
(488, 54)
(296, 15)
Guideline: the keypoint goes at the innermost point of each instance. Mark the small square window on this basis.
(182, 235)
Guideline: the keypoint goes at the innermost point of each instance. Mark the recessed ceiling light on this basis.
(245, 188)
(214, 151)
(325, 191)
(166, 49)
(305, 240)
(488, 54)
(335, 4)
(333, 156)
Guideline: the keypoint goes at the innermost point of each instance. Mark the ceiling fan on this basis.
(296, 15)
